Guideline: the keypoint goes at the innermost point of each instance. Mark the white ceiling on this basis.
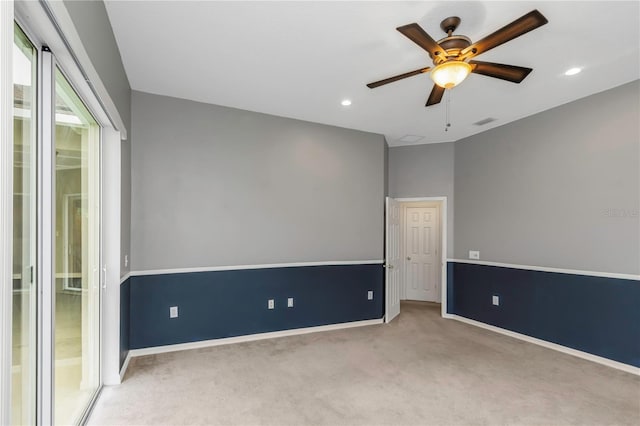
(301, 59)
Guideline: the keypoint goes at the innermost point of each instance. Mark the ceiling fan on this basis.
(451, 55)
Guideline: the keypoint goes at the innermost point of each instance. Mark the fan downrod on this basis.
(450, 24)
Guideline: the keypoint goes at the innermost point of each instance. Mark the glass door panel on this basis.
(77, 254)
(23, 372)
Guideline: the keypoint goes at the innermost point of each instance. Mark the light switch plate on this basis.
(290, 302)
(173, 312)
(370, 295)
(495, 300)
(474, 254)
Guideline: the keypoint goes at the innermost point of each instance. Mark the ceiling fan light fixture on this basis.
(450, 74)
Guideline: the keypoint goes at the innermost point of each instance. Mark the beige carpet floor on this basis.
(418, 370)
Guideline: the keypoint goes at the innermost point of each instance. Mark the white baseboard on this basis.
(125, 365)
(580, 354)
(240, 339)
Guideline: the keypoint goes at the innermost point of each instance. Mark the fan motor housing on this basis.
(453, 45)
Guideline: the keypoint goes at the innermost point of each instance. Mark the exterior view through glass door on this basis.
(77, 255)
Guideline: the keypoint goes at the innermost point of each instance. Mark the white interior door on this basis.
(422, 265)
(392, 260)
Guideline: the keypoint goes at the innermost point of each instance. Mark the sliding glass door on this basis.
(56, 308)
(77, 254)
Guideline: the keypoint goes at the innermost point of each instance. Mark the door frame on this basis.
(49, 20)
(389, 257)
(6, 205)
(442, 200)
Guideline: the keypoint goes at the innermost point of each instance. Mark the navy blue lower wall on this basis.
(597, 315)
(220, 304)
(125, 309)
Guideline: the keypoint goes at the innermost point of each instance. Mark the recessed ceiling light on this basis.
(345, 102)
(572, 71)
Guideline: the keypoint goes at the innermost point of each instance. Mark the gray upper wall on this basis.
(557, 189)
(425, 171)
(94, 28)
(215, 186)
(92, 23)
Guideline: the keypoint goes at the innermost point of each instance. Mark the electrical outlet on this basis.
(271, 304)
(370, 295)
(173, 312)
(126, 260)
(290, 302)
(495, 300)
(474, 254)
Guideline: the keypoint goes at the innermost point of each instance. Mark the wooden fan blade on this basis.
(510, 73)
(397, 77)
(436, 95)
(416, 34)
(520, 26)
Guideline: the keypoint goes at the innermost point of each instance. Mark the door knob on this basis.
(408, 257)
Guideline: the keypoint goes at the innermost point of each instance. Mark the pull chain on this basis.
(447, 108)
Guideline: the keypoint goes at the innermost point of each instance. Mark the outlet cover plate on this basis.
(370, 295)
(173, 312)
(474, 254)
(495, 300)
(271, 304)
(290, 302)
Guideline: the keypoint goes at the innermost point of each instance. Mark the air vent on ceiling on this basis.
(484, 121)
